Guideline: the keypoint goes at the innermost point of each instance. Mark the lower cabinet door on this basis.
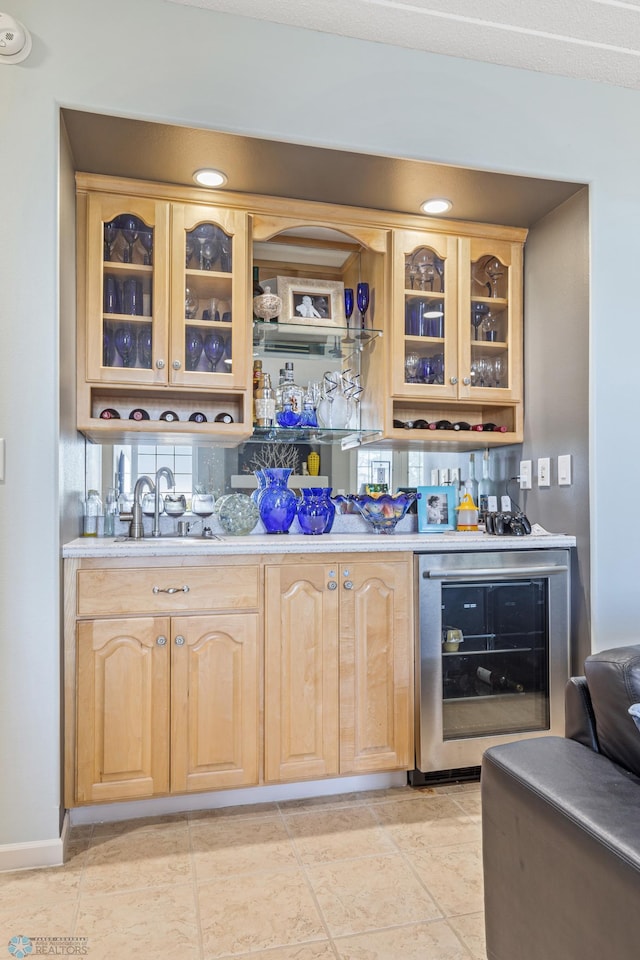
(376, 666)
(122, 708)
(301, 671)
(214, 702)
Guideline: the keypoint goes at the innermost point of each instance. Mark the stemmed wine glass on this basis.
(494, 270)
(480, 311)
(146, 239)
(362, 299)
(144, 345)
(210, 253)
(189, 250)
(110, 234)
(411, 367)
(499, 369)
(214, 347)
(194, 345)
(125, 341)
(348, 310)
(203, 233)
(130, 227)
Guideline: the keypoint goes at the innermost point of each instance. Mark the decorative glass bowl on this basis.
(382, 511)
(238, 515)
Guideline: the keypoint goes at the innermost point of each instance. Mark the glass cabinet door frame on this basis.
(510, 255)
(446, 247)
(155, 213)
(185, 217)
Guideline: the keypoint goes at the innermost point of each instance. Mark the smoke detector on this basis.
(15, 40)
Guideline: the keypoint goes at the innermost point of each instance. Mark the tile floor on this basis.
(366, 876)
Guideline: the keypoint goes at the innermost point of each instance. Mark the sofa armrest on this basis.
(561, 853)
(580, 720)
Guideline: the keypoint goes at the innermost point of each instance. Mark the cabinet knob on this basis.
(160, 364)
(179, 641)
(453, 380)
(332, 585)
(348, 585)
(466, 381)
(176, 364)
(161, 641)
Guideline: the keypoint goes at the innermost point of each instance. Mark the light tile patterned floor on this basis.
(366, 876)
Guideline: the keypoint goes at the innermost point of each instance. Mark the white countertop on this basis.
(356, 542)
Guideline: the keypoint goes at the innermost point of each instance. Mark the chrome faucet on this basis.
(167, 473)
(136, 529)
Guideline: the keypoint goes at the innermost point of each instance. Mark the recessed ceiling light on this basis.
(437, 205)
(209, 178)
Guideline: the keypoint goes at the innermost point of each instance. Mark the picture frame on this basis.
(312, 302)
(436, 509)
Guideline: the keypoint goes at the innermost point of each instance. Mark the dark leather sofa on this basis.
(561, 827)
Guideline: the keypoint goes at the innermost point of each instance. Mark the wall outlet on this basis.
(564, 470)
(525, 474)
(544, 472)
(444, 476)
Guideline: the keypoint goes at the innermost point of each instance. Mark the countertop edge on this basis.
(108, 547)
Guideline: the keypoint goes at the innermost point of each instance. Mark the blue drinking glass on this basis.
(362, 295)
(194, 345)
(348, 310)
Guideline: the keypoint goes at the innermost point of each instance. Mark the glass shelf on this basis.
(310, 340)
(322, 435)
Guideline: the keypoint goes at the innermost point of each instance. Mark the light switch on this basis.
(444, 476)
(544, 472)
(525, 474)
(564, 470)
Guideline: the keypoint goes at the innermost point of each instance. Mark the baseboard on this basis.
(161, 806)
(36, 853)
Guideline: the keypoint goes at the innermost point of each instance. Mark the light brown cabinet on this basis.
(164, 704)
(163, 293)
(338, 667)
(180, 678)
(456, 339)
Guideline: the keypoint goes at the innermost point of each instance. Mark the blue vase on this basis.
(277, 504)
(262, 485)
(326, 493)
(314, 510)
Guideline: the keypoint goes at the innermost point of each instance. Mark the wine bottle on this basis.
(291, 391)
(441, 425)
(169, 415)
(493, 428)
(224, 417)
(499, 681)
(421, 424)
(198, 417)
(461, 425)
(485, 489)
(471, 485)
(265, 402)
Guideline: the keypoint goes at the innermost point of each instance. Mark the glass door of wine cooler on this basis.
(493, 651)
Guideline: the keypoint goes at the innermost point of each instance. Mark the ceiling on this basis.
(166, 153)
(585, 39)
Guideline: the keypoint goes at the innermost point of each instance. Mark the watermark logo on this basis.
(20, 947)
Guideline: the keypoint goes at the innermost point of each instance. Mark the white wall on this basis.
(157, 60)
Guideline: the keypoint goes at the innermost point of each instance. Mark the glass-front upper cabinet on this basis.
(491, 331)
(425, 338)
(127, 288)
(209, 297)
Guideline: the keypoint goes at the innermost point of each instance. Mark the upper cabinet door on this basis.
(425, 329)
(127, 289)
(491, 328)
(209, 297)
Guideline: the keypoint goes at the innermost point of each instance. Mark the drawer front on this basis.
(167, 590)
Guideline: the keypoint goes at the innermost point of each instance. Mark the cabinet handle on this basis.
(348, 585)
(161, 641)
(179, 641)
(453, 380)
(176, 364)
(184, 589)
(332, 585)
(160, 364)
(466, 381)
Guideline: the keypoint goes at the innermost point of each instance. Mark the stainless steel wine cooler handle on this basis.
(184, 589)
(493, 573)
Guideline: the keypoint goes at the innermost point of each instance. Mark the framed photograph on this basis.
(312, 302)
(436, 509)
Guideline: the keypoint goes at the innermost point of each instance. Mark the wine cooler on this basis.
(493, 653)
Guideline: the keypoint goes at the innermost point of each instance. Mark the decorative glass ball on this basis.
(238, 515)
